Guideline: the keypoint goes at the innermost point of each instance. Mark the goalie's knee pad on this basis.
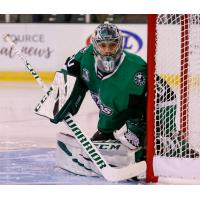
(71, 157)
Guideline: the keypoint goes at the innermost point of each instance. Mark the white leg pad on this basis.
(71, 157)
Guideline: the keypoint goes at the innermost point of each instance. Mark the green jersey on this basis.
(119, 95)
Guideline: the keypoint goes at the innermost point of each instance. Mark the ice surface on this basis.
(37, 166)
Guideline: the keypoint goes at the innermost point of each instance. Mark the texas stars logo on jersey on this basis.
(139, 78)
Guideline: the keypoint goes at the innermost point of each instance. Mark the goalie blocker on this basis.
(64, 96)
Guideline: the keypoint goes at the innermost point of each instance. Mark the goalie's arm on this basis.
(74, 102)
(73, 63)
(68, 96)
(72, 66)
(72, 105)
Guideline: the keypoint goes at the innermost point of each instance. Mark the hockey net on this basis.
(173, 136)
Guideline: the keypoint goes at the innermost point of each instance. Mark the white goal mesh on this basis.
(177, 97)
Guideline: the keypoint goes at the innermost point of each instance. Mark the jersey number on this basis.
(70, 62)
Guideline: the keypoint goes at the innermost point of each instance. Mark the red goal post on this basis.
(173, 126)
(151, 96)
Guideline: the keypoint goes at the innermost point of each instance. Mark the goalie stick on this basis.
(108, 172)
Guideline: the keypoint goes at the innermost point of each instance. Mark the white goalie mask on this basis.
(107, 43)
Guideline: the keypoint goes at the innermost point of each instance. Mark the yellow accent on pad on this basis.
(24, 76)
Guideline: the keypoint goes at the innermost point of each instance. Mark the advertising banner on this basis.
(46, 46)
